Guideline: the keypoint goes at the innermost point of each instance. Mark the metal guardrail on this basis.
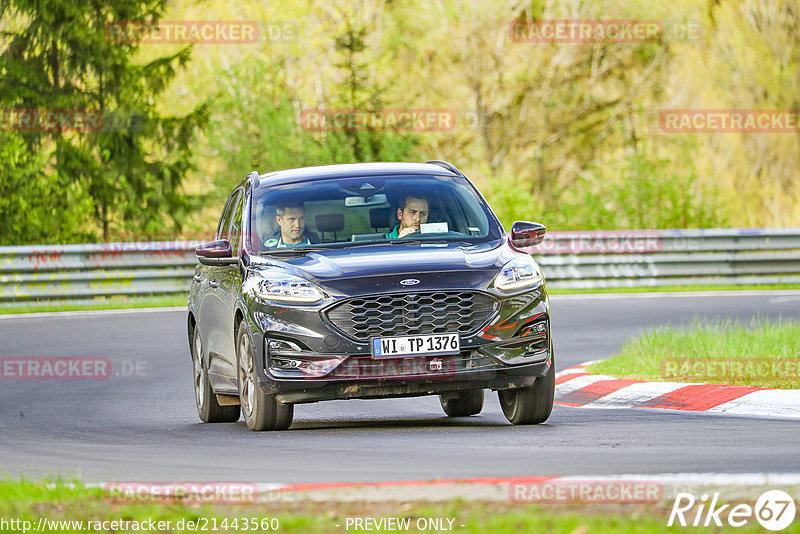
(637, 258)
(648, 258)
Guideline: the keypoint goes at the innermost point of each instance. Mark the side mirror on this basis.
(216, 253)
(527, 234)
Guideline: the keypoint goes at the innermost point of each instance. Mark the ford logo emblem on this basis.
(409, 282)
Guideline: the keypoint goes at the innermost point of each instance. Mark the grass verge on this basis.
(108, 303)
(761, 353)
(673, 289)
(28, 501)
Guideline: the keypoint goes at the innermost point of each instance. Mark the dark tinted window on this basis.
(236, 226)
(223, 229)
(347, 211)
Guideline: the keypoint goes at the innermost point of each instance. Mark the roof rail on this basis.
(447, 165)
(253, 176)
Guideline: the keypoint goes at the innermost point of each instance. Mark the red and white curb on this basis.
(576, 387)
(584, 489)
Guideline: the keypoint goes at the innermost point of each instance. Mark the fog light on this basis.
(535, 329)
(285, 364)
(288, 360)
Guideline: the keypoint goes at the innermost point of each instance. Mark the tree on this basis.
(131, 161)
(35, 206)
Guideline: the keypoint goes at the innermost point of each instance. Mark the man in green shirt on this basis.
(291, 219)
(412, 211)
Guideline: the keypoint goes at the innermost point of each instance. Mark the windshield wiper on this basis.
(291, 250)
(434, 241)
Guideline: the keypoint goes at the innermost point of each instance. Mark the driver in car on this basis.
(291, 218)
(411, 212)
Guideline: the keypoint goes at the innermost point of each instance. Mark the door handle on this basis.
(214, 284)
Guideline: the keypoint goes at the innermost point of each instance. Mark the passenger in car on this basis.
(412, 211)
(291, 218)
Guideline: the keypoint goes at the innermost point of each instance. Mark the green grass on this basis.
(672, 289)
(760, 353)
(110, 303)
(29, 501)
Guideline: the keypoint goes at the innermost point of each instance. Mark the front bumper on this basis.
(307, 390)
(510, 351)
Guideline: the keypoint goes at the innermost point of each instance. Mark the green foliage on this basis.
(257, 124)
(563, 133)
(59, 58)
(37, 206)
(644, 195)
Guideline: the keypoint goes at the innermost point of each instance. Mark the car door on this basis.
(229, 280)
(212, 318)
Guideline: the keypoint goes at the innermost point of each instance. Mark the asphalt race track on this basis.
(141, 423)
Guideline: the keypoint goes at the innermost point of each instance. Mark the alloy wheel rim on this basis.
(199, 383)
(246, 376)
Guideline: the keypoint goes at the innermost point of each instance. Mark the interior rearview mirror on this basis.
(365, 201)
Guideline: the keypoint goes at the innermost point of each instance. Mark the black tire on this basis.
(467, 403)
(209, 410)
(531, 405)
(261, 411)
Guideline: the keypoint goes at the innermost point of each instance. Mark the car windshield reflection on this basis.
(359, 211)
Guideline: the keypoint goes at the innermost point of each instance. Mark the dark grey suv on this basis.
(368, 280)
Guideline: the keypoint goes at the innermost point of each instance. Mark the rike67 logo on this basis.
(774, 510)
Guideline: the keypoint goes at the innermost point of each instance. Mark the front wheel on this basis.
(261, 411)
(467, 403)
(531, 405)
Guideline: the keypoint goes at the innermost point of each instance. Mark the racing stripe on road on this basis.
(593, 392)
(698, 397)
(578, 388)
(579, 382)
(568, 377)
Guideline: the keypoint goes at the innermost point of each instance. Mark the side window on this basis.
(236, 227)
(223, 230)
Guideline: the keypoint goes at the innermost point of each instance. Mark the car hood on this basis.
(371, 268)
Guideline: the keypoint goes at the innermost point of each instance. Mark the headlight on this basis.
(287, 288)
(519, 273)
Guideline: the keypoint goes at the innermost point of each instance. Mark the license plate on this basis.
(383, 347)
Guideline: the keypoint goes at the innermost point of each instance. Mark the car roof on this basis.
(351, 170)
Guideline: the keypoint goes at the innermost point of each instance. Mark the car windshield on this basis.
(341, 212)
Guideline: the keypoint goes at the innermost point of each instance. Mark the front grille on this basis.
(404, 314)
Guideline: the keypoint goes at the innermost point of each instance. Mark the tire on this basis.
(467, 403)
(261, 411)
(531, 405)
(208, 408)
